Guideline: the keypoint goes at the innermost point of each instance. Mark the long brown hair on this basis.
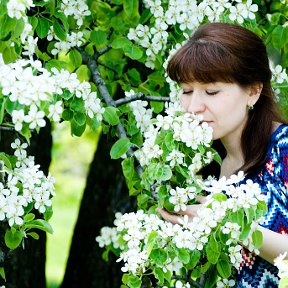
(222, 52)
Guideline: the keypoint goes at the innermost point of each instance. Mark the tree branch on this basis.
(141, 96)
(97, 79)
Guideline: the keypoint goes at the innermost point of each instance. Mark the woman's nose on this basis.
(193, 104)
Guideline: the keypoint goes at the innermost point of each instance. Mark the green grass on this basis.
(71, 157)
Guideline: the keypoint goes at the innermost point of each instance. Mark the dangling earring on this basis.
(250, 107)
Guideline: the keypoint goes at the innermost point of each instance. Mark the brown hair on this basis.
(222, 52)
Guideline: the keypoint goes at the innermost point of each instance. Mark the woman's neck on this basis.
(234, 158)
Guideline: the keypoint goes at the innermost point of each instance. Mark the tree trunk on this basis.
(105, 194)
(25, 268)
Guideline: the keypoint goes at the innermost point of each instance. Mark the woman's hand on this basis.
(191, 211)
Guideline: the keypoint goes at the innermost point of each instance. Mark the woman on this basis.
(225, 75)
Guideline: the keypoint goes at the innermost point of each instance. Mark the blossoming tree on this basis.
(102, 63)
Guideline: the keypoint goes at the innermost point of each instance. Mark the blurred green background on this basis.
(71, 157)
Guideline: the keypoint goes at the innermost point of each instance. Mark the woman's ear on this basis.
(254, 93)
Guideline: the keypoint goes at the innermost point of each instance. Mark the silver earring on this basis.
(250, 107)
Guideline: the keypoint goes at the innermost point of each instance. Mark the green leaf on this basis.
(29, 217)
(77, 105)
(67, 115)
(249, 212)
(135, 75)
(151, 241)
(128, 168)
(257, 239)
(163, 173)
(183, 255)
(212, 250)
(159, 256)
(194, 259)
(120, 147)
(157, 106)
(98, 37)
(120, 43)
(48, 213)
(58, 29)
(145, 16)
(224, 268)
(2, 273)
(9, 55)
(219, 197)
(245, 229)
(39, 224)
(117, 2)
(6, 160)
(111, 115)
(13, 239)
(134, 281)
(60, 15)
(75, 57)
(80, 118)
(77, 129)
(130, 7)
(2, 110)
(83, 73)
(205, 267)
(33, 235)
(142, 199)
(7, 25)
(133, 51)
(159, 274)
(279, 36)
(42, 28)
(261, 209)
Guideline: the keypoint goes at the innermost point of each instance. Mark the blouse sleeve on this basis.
(283, 159)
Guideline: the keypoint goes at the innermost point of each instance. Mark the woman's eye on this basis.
(210, 93)
(187, 91)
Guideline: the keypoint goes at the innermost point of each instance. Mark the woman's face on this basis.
(224, 106)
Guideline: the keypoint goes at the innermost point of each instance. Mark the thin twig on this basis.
(104, 50)
(108, 67)
(5, 128)
(141, 96)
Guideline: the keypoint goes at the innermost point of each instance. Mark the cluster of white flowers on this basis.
(24, 184)
(76, 8)
(188, 14)
(26, 82)
(225, 283)
(17, 9)
(142, 115)
(74, 39)
(279, 74)
(185, 127)
(135, 228)
(181, 196)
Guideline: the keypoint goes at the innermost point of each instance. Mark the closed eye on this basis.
(187, 91)
(210, 93)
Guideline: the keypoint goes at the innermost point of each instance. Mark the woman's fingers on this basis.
(201, 199)
(168, 216)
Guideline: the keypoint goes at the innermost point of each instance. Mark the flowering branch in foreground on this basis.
(24, 187)
(175, 148)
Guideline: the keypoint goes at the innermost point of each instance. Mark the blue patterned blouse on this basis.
(273, 180)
